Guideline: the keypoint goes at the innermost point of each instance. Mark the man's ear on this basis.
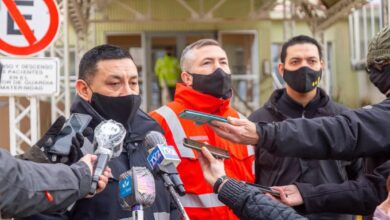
(186, 78)
(83, 90)
(322, 64)
(281, 69)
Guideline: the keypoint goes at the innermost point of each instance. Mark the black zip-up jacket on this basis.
(356, 133)
(276, 171)
(363, 132)
(105, 205)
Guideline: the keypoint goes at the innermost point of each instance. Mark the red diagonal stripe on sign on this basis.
(20, 21)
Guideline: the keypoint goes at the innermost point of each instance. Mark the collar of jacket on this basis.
(271, 104)
(198, 101)
(136, 131)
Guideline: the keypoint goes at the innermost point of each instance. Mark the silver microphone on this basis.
(109, 136)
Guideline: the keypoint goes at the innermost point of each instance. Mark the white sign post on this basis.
(27, 28)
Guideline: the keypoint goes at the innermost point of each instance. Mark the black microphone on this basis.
(108, 137)
(137, 190)
(164, 159)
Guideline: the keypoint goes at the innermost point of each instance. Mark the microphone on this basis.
(164, 159)
(137, 190)
(109, 136)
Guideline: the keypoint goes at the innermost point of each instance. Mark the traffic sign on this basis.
(27, 27)
(29, 76)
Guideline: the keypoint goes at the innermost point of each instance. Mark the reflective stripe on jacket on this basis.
(200, 202)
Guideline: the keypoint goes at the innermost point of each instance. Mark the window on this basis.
(278, 81)
(364, 23)
(242, 51)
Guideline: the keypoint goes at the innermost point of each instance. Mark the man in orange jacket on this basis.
(206, 88)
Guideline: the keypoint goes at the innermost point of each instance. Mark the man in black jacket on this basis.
(27, 188)
(107, 88)
(360, 133)
(301, 68)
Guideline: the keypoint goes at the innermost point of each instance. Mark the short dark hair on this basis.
(88, 63)
(300, 39)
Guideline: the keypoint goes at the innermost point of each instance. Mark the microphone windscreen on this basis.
(153, 139)
(109, 136)
(137, 187)
(144, 185)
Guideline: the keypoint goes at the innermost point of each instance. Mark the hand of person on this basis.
(49, 137)
(212, 168)
(38, 152)
(48, 140)
(237, 130)
(90, 160)
(385, 205)
(77, 143)
(289, 195)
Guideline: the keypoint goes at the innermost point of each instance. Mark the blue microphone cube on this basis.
(125, 187)
(163, 155)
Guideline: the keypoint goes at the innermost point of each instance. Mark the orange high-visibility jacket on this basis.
(200, 202)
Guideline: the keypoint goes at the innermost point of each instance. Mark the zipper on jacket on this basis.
(303, 114)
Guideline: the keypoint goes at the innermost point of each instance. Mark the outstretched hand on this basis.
(51, 133)
(212, 168)
(77, 143)
(90, 160)
(240, 131)
(289, 195)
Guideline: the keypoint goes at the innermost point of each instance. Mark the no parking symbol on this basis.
(27, 27)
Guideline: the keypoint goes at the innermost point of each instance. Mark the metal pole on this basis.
(34, 103)
(66, 58)
(12, 124)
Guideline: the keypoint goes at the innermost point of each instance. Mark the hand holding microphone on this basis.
(109, 136)
(90, 160)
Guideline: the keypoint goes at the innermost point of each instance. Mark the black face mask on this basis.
(121, 109)
(217, 84)
(381, 79)
(303, 79)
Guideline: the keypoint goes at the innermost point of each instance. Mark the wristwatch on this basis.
(218, 183)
